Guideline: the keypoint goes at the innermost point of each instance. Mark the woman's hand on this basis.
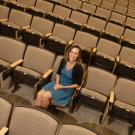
(58, 86)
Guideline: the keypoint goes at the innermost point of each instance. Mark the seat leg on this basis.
(16, 86)
(131, 129)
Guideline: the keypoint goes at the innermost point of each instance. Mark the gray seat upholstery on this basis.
(10, 51)
(5, 110)
(15, 25)
(31, 121)
(37, 61)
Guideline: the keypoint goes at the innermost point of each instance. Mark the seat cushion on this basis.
(4, 63)
(93, 94)
(29, 71)
(34, 32)
(57, 39)
(12, 25)
(106, 56)
(125, 105)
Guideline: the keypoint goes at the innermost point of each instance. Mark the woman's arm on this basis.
(73, 86)
(57, 79)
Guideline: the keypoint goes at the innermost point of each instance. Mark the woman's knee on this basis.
(40, 93)
(47, 95)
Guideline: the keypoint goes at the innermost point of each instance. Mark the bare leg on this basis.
(38, 101)
(46, 99)
(43, 99)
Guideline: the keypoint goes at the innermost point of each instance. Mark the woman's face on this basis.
(73, 54)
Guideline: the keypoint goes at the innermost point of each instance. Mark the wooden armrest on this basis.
(3, 131)
(48, 34)
(94, 50)
(117, 59)
(3, 20)
(70, 42)
(46, 74)
(16, 63)
(111, 100)
(25, 27)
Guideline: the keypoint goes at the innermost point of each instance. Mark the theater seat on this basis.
(77, 20)
(123, 105)
(21, 5)
(14, 26)
(30, 121)
(11, 51)
(126, 63)
(104, 56)
(96, 91)
(59, 39)
(37, 61)
(42, 8)
(38, 31)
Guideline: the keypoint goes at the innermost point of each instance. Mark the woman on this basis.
(68, 77)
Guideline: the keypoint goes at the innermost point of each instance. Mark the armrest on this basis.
(3, 131)
(111, 100)
(94, 50)
(117, 59)
(3, 20)
(16, 63)
(70, 42)
(46, 74)
(44, 79)
(25, 27)
(48, 34)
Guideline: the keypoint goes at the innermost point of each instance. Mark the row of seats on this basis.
(43, 7)
(95, 26)
(103, 53)
(109, 94)
(123, 3)
(34, 121)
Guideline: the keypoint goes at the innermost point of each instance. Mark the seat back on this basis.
(56, 66)
(29, 3)
(28, 121)
(120, 9)
(114, 29)
(38, 59)
(100, 81)
(44, 5)
(108, 47)
(5, 110)
(62, 11)
(103, 12)
(63, 32)
(75, 130)
(42, 25)
(79, 17)
(107, 4)
(15, 16)
(88, 8)
(96, 23)
(127, 54)
(85, 40)
(125, 91)
(4, 12)
(74, 3)
(129, 35)
(10, 49)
